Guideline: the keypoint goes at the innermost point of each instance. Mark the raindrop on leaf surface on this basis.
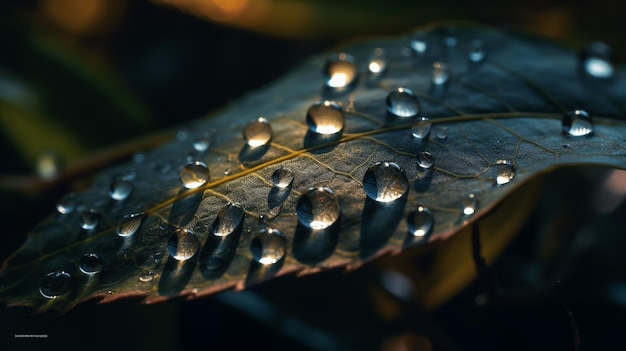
(146, 276)
(440, 73)
(505, 172)
(258, 132)
(385, 182)
(402, 103)
(469, 204)
(419, 43)
(228, 219)
(476, 51)
(268, 247)
(89, 219)
(425, 160)
(67, 204)
(420, 223)
(55, 284)
(318, 208)
(378, 62)
(596, 60)
(340, 71)
(120, 189)
(202, 144)
(577, 123)
(90, 264)
(183, 244)
(325, 117)
(421, 128)
(194, 174)
(282, 177)
(129, 224)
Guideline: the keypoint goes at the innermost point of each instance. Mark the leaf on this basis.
(496, 124)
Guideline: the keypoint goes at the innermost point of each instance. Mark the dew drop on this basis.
(129, 224)
(67, 204)
(183, 244)
(258, 132)
(268, 246)
(440, 73)
(282, 177)
(505, 172)
(90, 264)
(419, 43)
(421, 128)
(476, 51)
(318, 208)
(55, 284)
(120, 189)
(325, 117)
(194, 174)
(469, 204)
(402, 103)
(203, 143)
(420, 222)
(146, 276)
(340, 71)
(89, 219)
(425, 160)
(450, 38)
(385, 182)
(442, 133)
(228, 219)
(577, 123)
(596, 60)
(378, 62)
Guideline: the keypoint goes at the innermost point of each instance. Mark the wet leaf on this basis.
(341, 169)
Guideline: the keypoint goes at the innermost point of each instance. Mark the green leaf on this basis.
(496, 125)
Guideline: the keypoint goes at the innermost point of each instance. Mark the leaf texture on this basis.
(496, 124)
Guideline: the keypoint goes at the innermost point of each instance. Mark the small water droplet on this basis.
(194, 174)
(282, 177)
(421, 222)
(146, 276)
(258, 132)
(421, 128)
(325, 117)
(469, 204)
(268, 246)
(385, 182)
(129, 224)
(476, 51)
(90, 264)
(442, 133)
(596, 60)
(203, 143)
(378, 62)
(228, 219)
(419, 44)
(139, 157)
(182, 134)
(402, 103)
(120, 189)
(183, 244)
(577, 123)
(318, 208)
(340, 71)
(425, 160)
(505, 172)
(67, 204)
(440, 73)
(55, 284)
(89, 219)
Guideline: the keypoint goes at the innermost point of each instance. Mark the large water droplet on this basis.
(476, 51)
(282, 178)
(318, 208)
(325, 117)
(194, 174)
(504, 172)
(120, 189)
(385, 182)
(440, 73)
(268, 246)
(577, 123)
(469, 204)
(420, 223)
(402, 103)
(419, 44)
(228, 219)
(596, 60)
(425, 160)
(67, 204)
(90, 264)
(340, 71)
(55, 284)
(129, 224)
(89, 219)
(258, 132)
(183, 244)
(378, 62)
(421, 128)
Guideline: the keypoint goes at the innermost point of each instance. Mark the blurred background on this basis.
(139, 69)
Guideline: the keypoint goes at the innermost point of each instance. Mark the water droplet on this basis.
(90, 264)
(129, 224)
(89, 219)
(397, 284)
(183, 244)
(385, 182)
(402, 103)
(577, 123)
(55, 284)
(228, 219)
(120, 189)
(194, 175)
(268, 246)
(442, 133)
(420, 223)
(67, 204)
(258, 132)
(340, 71)
(325, 117)
(282, 177)
(469, 204)
(421, 128)
(419, 44)
(49, 165)
(378, 62)
(440, 73)
(318, 208)
(146, 276)
(182, 134)
(596, 60)
(450, 38)
(139, 158)
(476, 51)
(203, 143)
(505, 172)
(425, 160)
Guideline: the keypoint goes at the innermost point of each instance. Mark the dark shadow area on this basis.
(329, 93)
(218, 252)
(249, 154)
(258, 272)
(379, 223)
(423, 180)
(312, 140)
(176, 275)
(184, 210)
(277, 197)
(312, 246)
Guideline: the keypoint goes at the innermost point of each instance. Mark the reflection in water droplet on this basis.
(146, 276)
(596, 60)
(425, 160)
(577, 123)
(228, 219)
(469, 204)
(378, 62)
(129, 224)
(421, 128)
(90, 264)
(89, 219)
(120, 189)
(385, 182)
(282, 177)
(505, 172)
(419, 43)
(402, 103)
(183, 244)
(476, 51)
(67, 204)
(55, 284)
(340, 71)
(442, 133)
(318, 208)
(325, 117)
(194, 174)
(268, 246)
(440, 73)
(258, 132)
(420, 222)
